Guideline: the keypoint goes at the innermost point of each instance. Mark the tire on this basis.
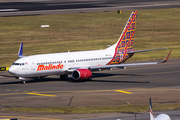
(23, 81)
(90, 78)
(64, 77)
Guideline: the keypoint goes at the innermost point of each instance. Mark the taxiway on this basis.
(42, 7)
(131, 86)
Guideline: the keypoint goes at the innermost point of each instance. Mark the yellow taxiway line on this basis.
(45, 93)
(84, 91)
(123, 91)
(41, 94)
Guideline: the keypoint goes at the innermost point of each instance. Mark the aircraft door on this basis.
(33, 64)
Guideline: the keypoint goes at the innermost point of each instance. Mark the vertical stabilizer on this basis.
(20, 53)
(151, 112)
(125, 42)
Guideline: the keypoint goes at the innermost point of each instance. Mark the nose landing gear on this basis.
(22, 80)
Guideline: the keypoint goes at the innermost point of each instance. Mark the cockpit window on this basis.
(15, 64)
(20, 64)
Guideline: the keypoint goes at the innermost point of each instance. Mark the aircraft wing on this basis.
(145, 50)
(132, 64)
(121, 65)
(110, 66)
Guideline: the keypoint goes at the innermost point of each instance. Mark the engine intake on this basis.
(80, 74)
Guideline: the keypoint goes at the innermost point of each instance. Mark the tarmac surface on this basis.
(133, 85)
(40, 7)
(174, 115)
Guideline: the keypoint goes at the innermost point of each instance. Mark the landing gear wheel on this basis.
(63, 77)
(90, 78)
(23, 81)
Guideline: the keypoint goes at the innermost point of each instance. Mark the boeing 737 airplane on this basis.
(81, 63)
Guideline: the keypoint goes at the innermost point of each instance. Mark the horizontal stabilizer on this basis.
(145, 50)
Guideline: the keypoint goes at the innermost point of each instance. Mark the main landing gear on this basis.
(90, 78)
(64, 77)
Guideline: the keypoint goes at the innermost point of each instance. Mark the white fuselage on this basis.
(47, 64)
(64, 63)
(82, 63)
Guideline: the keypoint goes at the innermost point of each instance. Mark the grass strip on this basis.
(156, 28)
(129, 108)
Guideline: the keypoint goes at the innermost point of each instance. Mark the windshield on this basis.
(20, 64)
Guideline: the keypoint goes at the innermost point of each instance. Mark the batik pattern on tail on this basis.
(125, 41)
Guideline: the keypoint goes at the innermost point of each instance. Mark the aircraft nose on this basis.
(12, 70)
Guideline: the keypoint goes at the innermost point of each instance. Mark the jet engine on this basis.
(80, 74)
(162, 117)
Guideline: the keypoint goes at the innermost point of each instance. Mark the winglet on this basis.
(20, 53)
(167, 57)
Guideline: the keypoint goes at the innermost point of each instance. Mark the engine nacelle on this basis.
(80, 74)
(162, 117)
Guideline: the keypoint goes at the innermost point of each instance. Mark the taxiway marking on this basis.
(82, 91)
(45, 92)
(32, 118)
(134, 90)
(41, 94)
(123, 91)
(8, 90)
